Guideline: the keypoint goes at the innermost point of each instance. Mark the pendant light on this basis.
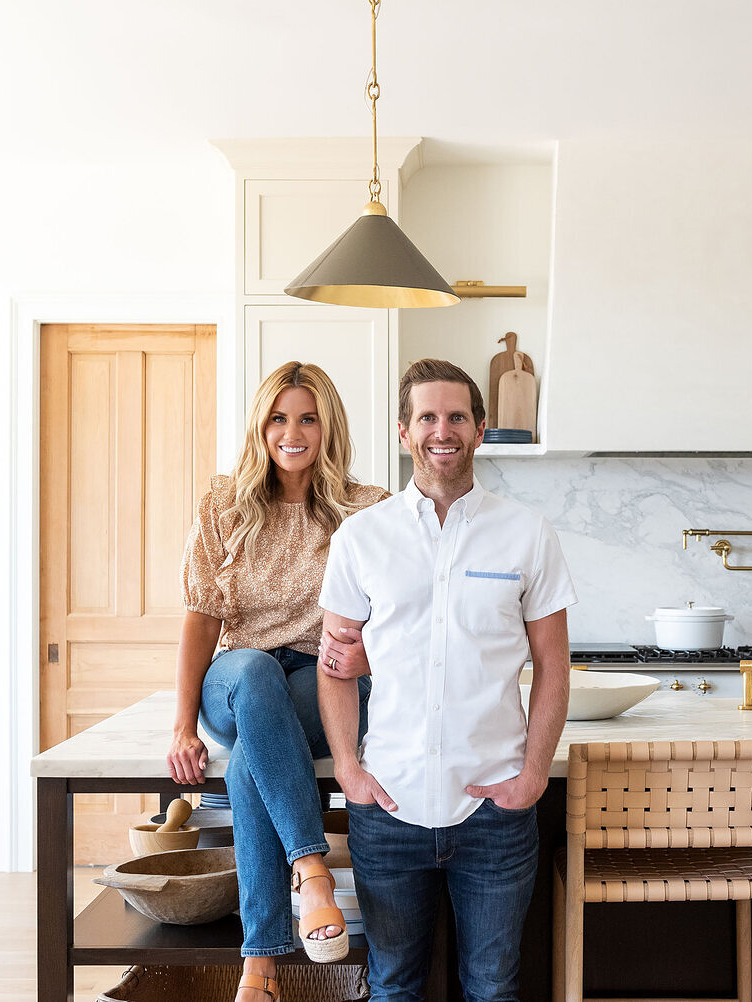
(373, 263)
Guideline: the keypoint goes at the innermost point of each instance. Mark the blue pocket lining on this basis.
(492, 574)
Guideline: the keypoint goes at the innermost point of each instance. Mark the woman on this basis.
(252, 571)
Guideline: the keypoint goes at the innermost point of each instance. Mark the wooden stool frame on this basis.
(653, 821)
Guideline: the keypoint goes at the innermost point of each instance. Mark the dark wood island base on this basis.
(664, 949)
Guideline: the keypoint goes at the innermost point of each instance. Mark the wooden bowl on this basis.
(145, 839)
(186, 887)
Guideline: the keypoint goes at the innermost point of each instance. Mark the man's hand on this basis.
(343, 655)
(187, 758)
(515, 794)
(360, 787)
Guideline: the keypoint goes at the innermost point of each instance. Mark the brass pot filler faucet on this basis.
(722, 547)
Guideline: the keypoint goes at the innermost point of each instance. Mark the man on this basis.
(449, 584)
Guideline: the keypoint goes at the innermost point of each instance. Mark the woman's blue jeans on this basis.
(488, 863)
(263, 707)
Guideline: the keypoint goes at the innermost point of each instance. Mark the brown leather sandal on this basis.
(268, 985)
(320, 951)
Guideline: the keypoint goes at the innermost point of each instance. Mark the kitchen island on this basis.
(126, 753)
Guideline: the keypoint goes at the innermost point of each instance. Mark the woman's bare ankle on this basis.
(266, 967)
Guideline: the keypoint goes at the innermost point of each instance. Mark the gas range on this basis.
(624, 656)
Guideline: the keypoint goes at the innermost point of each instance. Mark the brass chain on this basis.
(373, 92)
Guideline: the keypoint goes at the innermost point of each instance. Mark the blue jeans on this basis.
(263, 707)
(488, 862)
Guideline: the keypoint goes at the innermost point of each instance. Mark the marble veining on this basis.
(133, 743)
(620, 522)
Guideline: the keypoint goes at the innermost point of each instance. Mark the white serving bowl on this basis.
(597, 695)
(344, 896)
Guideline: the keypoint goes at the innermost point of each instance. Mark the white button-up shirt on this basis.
(445, 610)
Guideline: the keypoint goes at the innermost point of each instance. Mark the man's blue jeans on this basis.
(262, 705)
(488, 862)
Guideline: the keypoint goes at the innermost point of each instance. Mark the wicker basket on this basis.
(298, 983)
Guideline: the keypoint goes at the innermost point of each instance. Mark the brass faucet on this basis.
(722, 546)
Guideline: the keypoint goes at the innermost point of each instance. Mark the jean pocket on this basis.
(359, 807)
(514, 812)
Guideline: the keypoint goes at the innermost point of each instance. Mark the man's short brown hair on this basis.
(437, 370)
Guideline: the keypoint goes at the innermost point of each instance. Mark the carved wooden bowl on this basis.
(186, 887)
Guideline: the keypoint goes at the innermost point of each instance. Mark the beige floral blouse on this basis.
(273, 600)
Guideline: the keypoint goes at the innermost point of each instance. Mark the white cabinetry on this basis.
(293, 198)
(652, 307)
(352, 346)
(286, 224)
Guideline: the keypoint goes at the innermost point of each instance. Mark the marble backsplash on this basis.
(620, 523)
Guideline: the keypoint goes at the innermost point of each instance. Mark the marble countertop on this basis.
(134, 742)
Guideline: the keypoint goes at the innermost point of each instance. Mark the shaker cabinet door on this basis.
(288, 223)
(352, 346)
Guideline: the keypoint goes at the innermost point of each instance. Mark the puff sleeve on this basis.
(204, 555)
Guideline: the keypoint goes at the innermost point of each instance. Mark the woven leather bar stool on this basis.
(653, 821)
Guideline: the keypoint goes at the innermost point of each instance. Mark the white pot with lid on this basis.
(692, 627)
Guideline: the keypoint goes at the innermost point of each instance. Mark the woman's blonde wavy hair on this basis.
(254, 475)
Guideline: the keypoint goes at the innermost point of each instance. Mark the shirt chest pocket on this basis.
(490, 601)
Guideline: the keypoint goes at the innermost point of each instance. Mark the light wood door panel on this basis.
(128, 433)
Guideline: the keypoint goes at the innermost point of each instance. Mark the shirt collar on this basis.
(418, 503)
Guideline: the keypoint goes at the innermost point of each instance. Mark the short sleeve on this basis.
(342, 591)
(550, 587)
(204, 555)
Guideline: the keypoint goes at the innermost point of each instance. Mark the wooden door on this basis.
(128, 433)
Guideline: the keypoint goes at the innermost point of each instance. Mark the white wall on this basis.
(73, 235)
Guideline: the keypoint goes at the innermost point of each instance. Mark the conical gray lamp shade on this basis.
(372, 264)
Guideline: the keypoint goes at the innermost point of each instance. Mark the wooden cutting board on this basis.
(517, 401)
(501, 363)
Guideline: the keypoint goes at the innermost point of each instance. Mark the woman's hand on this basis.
(187, 758)
(343, 655)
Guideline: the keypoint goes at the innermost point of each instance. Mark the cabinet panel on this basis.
(650, 345)
(287, 224)
(351, 346)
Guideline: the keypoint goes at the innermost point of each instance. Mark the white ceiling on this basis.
(91, 79)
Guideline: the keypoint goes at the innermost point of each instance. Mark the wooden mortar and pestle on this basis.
(170, 835)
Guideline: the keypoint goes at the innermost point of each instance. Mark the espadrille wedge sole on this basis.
(321, 951)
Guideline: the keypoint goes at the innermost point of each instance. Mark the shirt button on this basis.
(437, 664)
(439, 619)
(442, 577)
(434, 751)
(434, 539)
(436, 706)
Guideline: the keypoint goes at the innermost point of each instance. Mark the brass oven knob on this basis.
(676, 685)
(703, 686)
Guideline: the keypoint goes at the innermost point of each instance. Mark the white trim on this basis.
(28, 313)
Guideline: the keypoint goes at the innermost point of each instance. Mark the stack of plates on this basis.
(497, 435)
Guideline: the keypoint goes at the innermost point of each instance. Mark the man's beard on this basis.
(444, 478)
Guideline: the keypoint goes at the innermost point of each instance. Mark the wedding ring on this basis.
(333, 664)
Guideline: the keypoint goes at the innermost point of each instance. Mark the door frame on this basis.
(19, 584)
